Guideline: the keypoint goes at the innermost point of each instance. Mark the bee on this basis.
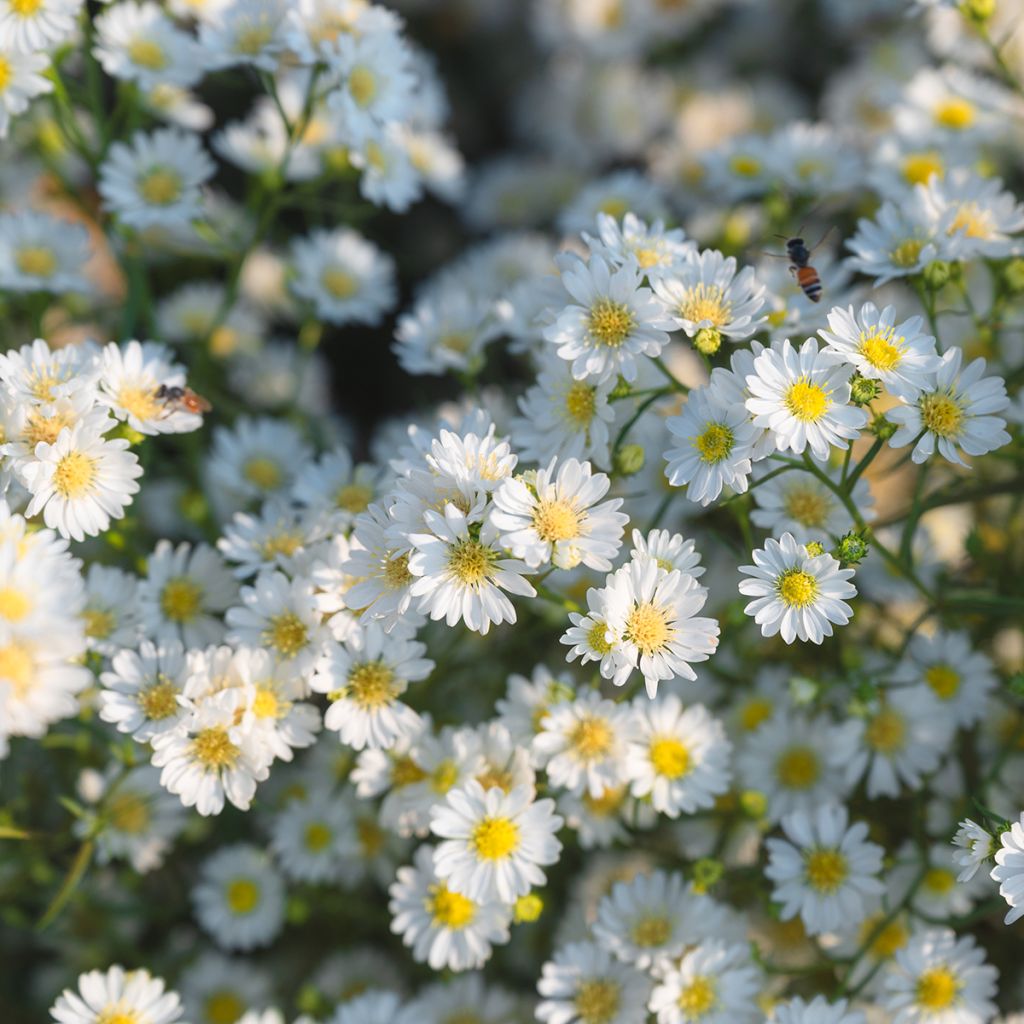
(181, 399)
(800, 264)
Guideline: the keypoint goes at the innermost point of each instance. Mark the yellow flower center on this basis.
(17, 667)
(591, 738)
(647, 627)
(955, 113)
(317, 837)
(181, 599)
(139, 402)
(470, 562)
(129, 812)
(339, 284)
(73, 475)
(161, 186)
(607, 804)
(610, 322)
(495, 838)
(118, 1014)
(745, 166)
(652, 930)
(647, 258)
(372, 685)
(941, 414)
(826, 870)
(698, 997)
(243, 896)
(35, 260)
(354, 498)
(6, 74)
(14, 604)
(798, 768)
(362, 84)
(891, 938)
(147, 54)
(614, 206)
(396, 572)
(807, 401)
(597, 639)
(597, 1001)
(99, 622)
(973, 221)
(450, 909)
(881, 348)
(807, 506)
(670, 757)
(715, 443)
(939, 881)
(263, 473)
(919, 167)
(159, 700)
(224, 1008)
(25, 8)
(580, 403)
(283, 543)
(267, 705)
(287, 634)
(405, 771)
(212, 748)
(40, 427)
(797, 589)
(444, 776)
(705, 302)
(937, 989)
(371, 837)
(907, 252)
(886, 731)
(252, 38)
(754, 712)
(944, 680)
(556, 520)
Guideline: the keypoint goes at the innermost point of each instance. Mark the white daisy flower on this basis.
(612, 321)
(389, 177)
(239, 898)
(717, 440)
(975, 846)
(464, 998)
(117, 994)
(82, 480)
(443, 928)
(795, 594)
(37, 374)
(901, 356)
(461, 574)
(217, 989)
(30, 27)
(111, 613)
(141, 690)
(528, 700)
(280, 537)
(494, 844)
(584, 983)
(985, 216)
(653, 249)
(347, 278)
(363, 680)
(715, 983)
(615, 194)
(817, 1011)
(938, 977)
(1009, 869)
(705, 293)
(802, 396)
(30, 261)
(370, 1008)
(678, 758)
(559, 517)
(670, 550)
(312, 837)
(827, 873)
(246, 32)
(954, 413)
(156, 179)
(591, 638)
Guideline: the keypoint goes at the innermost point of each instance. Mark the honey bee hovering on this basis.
(181, 399)
(800, 264)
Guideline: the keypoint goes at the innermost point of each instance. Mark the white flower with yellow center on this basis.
(313, 837)
(346, 278)
(615, 194)
(494, 844)
(584, 984)
(826, 873)
(38, 374)
(364, 680)
(901, 356)
(559, 517)
(141, 689)
(938, 978)
(528, 700)
(217, 989)
(670, 550)
(678, 757)
(462, 574)
(974, 846)
(654, 249)
(246, 32)
(612, 321)
(954, 413)
(706, 294)
(654, 614)
(337, 486)
(117, 996)
(796, 594)
(389, 177)
(817, 1011)
(443, 928)
(715, 445)
(155, 179)
(31, 260)
(29, 26)
(802, 396)
(952, 106)
(239, 899)
(1009, 869)
(714, 983)
(111, 612)
(281, 537)
(582, 743)
(82, 480)
(984, 215)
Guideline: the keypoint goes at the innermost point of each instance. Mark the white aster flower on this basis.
(313, 837)
(714, 983)
(246, 32)
(984, 215)
(41, 25)
(975, 846)
(817, 1011)
(653, 249)
(141, 689)
(139, 43)
(670, 550)
(30, 259)
(1009, 869)
(117, 994)
(111, 612)
(584, 983)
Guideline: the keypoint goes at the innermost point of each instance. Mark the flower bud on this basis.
(754, 803)
(882, 428)
(622, 388)
(706, 873)
(937, 274)
(528, 908)
(853, 548)
(708, 341)
(815, 548)
(863, 390)
(629, 459)
(978, 11)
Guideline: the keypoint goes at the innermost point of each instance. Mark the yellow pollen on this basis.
(161, 186)
(591, 738)
(212, 748)
(39, 427)
(371, 685)
(906, 253)
(317, 837)
(287, 634)
(654, 930)
(139, 402)
(43, 380)
(745, 166)
(495, 777)
(797, 589)
(354, 498)
(807, 401)
(881, 349)
(444, 776)
(243, 896)
(955, 113)
(181, 599)
(698, 997)
(807, 506)
(891, 938)
(339, 284)
(607, 804)
(597, 639)
(405, 771)
(266, 704)
(973, 221)
(615, 206)
(754, 712)
(73, 475)
(647, 258)
(147, 54)
(495, 838)
(396, 572)
(556, 520)
(251, 39)
(263, 473)
(670, 757)
(35, 260)
(597, 1001)
(450, 909)
(129, 812)
(798, 768)
(580, 404)
(224, 1008)
(919, 167)
(159, 700)
(118, 1014)
(647, 627)
(14, 604)
(715, 443)
(886, 732)
(99, 622)
(937, 989)
(610, 322)
(470, 562)
(362, 84)
(826, 870)
(6, 74)
(941, 414)
(944, 680)
(283, 543)
(705, 303)
(16, 666)
(939, 881)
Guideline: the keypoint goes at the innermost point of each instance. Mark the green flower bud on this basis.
(706, 873)
(1013, 275)
(937, 274)
(622, 388)
(708, 341)
(978, 11)
(863, 389)
(528, 908)
(815, 548)
(629, 459)
(853, 548)
(882, 428)
(754, 803)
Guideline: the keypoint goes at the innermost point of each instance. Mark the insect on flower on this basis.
(181, 399)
